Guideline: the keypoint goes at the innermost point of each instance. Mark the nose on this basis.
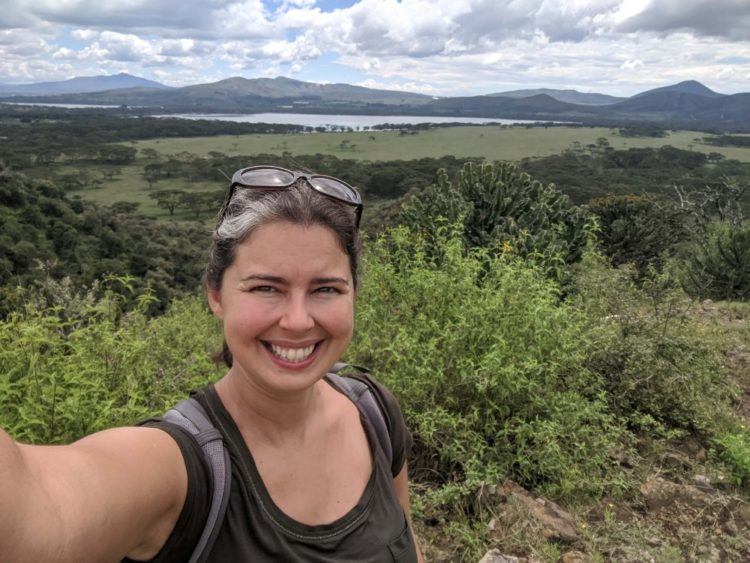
(296, 316)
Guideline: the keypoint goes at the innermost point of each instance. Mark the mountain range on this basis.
(688, 104)
(79, 85)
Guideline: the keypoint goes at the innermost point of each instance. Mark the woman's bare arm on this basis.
(401, 484)
(113, 494)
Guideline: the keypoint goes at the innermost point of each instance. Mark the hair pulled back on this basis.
(299, 204)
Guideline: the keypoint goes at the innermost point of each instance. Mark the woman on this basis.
(309, 481)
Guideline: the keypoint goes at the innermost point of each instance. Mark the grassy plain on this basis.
(490, 142)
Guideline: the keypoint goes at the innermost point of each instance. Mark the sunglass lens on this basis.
(334, 188)
(267, 177)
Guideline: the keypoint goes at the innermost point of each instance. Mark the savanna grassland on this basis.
(571, 323)
(488, 142)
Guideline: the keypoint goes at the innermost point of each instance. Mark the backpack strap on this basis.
(364, 399)
(191, 416)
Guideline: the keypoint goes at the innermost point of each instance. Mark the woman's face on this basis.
(287, 304)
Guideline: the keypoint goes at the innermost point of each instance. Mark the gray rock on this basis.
(495, 556)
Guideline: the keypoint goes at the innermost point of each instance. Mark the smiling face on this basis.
(287, 305)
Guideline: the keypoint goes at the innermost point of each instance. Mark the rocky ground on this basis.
(684, 508)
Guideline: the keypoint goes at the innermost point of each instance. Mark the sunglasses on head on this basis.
(277, 178)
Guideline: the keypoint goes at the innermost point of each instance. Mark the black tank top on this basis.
(256, 530)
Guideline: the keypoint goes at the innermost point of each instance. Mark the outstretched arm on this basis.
(113, 494)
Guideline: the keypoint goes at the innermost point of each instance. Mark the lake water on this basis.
(306, 119)
(328, 121)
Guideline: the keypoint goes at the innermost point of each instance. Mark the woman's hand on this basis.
(113, 494)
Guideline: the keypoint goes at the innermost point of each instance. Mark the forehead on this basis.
(292, 250)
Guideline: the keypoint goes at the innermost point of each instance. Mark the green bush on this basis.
(659, 369)
(67, 373)
(489, 366)
(500, 207)
(718, 266)
(638, 229)
(734, 450)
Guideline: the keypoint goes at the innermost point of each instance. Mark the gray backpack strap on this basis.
(362, 396)
(189, 414)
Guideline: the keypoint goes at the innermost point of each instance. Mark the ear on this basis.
(214, 301)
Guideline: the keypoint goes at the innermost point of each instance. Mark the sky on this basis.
(436, 47)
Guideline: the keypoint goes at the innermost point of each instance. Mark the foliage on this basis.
(659, 370)
(718, 266)
(87, 364)
(498, 206)
(735, 452)
(642, 131)
(638, 229)
(728, 140)
(585, 173)
(168, 199)
(45, 233)
(488, 363)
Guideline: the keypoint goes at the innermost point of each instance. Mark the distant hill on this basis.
(238, 94)
(665, 101)
(541, 106)
(282, 87)
(79, 85)
(569, 96)
(687, 104)
(686, 87)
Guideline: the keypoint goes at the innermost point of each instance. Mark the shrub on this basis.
(488, 363)
(734, 450)
(659, 370)
(498, 206)
(637, 229)
(67, 373)
(718, 266)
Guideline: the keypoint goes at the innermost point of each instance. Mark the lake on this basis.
(329, 121)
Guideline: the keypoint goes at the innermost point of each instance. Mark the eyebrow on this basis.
(282, 281)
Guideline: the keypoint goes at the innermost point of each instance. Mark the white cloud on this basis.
(717, 18)
(84, 34)
(418, 87)
(631, 64)
(433, 46)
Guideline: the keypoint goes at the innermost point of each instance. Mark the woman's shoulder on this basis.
(400, 437)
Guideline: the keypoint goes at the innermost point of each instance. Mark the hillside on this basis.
(685, 105)
(80, 84)
(534, 107)
(686, 109)
(569, 96)
(686, 87)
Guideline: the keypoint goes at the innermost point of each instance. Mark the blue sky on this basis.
(438, 47)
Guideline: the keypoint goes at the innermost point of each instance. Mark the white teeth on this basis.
(292, 354)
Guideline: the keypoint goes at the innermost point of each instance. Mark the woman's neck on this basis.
(277, 418)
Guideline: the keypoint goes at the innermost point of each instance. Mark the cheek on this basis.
(341, 320)
(247, 322)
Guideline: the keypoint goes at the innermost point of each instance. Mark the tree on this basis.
(126, 207)
(149, 153)
(152, 173)
(499, 207)
(168, 199)
(117, 154)
(638, 229)
(198, 201)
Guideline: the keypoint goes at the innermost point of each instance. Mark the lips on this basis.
(295, 356)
